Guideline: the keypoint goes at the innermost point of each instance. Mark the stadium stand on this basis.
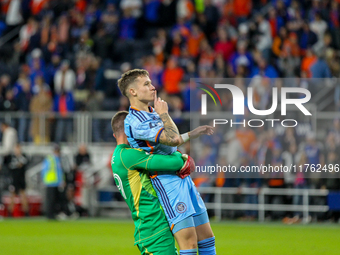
(60, 61)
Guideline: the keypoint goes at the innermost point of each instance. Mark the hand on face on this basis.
(160, 105)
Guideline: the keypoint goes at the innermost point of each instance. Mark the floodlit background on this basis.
(77, 50)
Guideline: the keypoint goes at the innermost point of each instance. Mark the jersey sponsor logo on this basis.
(152, 125)
(181, 207)
(112, 160)
(120, 185)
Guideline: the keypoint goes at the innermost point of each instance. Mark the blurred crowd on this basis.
(62, 56)
(313, 164)
(67, 55)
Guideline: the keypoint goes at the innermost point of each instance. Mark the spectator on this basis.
(8, 103)
(308, 61)
(264, 38)
(240, 58)
(52, 177)
(264, 70)
(320, 69)
(276, 179)
(319, 26)
(313, 151)
(242, 10)
(172, 76)
(26, 32)
(73, 210)
(51, 70)
(23, 98)
(194, 40)
(307, 38)
(207, 56)
(151, 12)
(41, 103)
(212, 16)
(64, 79)
(185, 10)
(299, 183)
(63, 104)
(14, 17)
(37, 65)
(224, 45)
(5, 85)
(278, 42)
(82, 159)
(276, 23)
(128, 25)
(155, 69)
(39, 83)
(17, 162)
(291, 157)
(9, 138)
(322, 46)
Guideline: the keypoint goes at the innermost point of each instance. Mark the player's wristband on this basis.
(185, 137)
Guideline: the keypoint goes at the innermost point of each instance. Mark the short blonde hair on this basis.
(128, 78)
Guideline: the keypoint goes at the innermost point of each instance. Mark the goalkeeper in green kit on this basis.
(130, 171)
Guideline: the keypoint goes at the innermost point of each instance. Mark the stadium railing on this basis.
(95, 127)
(218, 205)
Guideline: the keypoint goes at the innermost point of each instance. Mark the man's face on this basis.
(144, 90)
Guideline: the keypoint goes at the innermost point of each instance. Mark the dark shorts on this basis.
(18, 180)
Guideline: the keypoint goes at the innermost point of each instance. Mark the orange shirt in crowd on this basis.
(176, 50)
(207, 59)
(242, 8)
(4, 6)
(228, 9)
(307, 63)
(276, 48)
(193, 44)
(246, 138)
(171, 79)
(81, 5)
(37, 5)
(290, 47)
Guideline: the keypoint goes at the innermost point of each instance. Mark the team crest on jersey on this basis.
(181, 207)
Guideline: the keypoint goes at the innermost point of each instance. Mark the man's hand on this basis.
(188, 167)
(160, 105)
(201, 130)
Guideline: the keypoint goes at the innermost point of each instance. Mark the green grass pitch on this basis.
(112, 237)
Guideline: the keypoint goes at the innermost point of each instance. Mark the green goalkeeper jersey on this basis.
(130, 171)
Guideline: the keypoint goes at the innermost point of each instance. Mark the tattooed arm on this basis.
(170, 136)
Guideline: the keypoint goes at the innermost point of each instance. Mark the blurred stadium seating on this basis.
(51, 50)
